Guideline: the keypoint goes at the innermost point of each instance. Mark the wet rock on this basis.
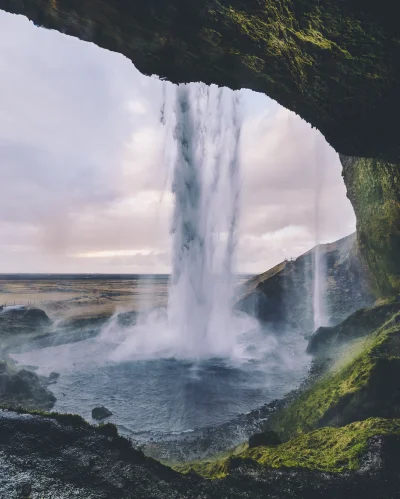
(320, 339)
(281, 298)
(70, 458)
(37, 316)
(54, 376)
(265, 439)
(357, 325)
(24, 489)
(23, 388)
(101, 412)
(22, 320)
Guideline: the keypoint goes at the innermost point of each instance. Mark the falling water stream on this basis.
(206, 188)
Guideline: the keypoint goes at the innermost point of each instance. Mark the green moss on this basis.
(332, 62)
(215, 467)
(374, 189)
(345, 392)
(326, 449)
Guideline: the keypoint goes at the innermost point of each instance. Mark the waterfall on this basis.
(319, 270)
(206, 189)
(203, 124)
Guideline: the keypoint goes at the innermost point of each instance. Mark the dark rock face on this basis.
(335, 63)
(101, 413)
(23, 320)
(73, 459)
(267, 438)
(359, 324)
(23, 388)
(284, 294)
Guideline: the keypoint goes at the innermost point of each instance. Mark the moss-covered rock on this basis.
(359, 324)
(363, 382)
(326, 449)
(335, 63)
(373, 188)
(60, 455)
(284, 294)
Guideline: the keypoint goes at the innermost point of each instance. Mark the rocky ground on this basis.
(64, 457)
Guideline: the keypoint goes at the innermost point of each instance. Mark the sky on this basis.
(84, 178)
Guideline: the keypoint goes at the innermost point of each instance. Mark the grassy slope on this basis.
(327, 449)
(344, 387)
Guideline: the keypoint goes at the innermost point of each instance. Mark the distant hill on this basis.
(284, 294)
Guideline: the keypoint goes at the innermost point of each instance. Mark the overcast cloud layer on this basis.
(84, 179)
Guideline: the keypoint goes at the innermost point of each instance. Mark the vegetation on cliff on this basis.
(373, 188)
(327, 449)
(363, 382)
(359, 324)
(335, 63)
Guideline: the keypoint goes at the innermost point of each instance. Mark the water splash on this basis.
(199, 320)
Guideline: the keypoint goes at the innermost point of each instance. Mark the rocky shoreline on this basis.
(64, 457)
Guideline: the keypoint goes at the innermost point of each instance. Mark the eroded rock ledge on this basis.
(336, 63)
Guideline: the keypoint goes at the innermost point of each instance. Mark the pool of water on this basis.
(161, 396)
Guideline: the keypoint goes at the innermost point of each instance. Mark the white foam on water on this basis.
(199, 321)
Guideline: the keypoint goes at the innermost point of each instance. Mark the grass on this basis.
(327, 449)
(341, 385)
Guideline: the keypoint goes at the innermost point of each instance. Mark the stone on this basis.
(36, 315)
(265, 439)
(101, 412)
(22, 320)
(23, 388)
(54, 376)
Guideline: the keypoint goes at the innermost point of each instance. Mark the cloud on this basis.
(85, 165)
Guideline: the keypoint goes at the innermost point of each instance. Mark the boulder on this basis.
(23, 388)
(54, 376)
(359, 324)
(22, 320)
(101, 412)
(36, 316)
(320, 339)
